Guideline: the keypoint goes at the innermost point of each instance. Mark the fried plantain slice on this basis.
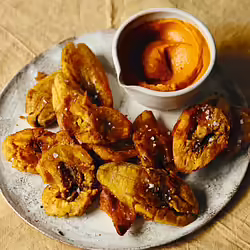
(201, 133)
(71, 172)
(89, 124)
(117, 152)
(153, 144)
(240, 130)
(239, 117)
(74, 112)
(157, 194)
(243, 115)
(39, 102)
(62, 138)
(114, 126)
(122, 216)
(79, 64)
(25, 147)
(55, 205)
(70, 168)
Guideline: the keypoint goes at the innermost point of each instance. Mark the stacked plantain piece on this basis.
(79, 98)
(99, 151)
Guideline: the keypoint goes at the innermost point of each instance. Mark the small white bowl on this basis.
(156, 99)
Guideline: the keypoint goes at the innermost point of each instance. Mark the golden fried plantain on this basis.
(71, 172)
(244, 122)
(55, 205)
(153, 144)
(114, 126)
(39, 102)
(122, 216)
(62, 138)
(201, 134)
(157, 194)
(89, 124)
(66, 166)
(74, 112)
(240, 130)
(239, 118)
(25, 148)
(79, 64)
(117, 152)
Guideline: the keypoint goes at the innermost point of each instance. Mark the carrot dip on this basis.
(163, 55)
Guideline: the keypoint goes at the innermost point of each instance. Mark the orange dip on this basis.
(163, 55)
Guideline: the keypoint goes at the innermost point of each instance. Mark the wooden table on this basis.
(29, 27)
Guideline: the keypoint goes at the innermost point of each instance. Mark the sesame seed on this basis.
(150, 185)
(241, 121)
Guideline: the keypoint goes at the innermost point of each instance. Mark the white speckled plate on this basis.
(214, 185)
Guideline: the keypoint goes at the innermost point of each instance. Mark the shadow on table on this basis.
(235, 66)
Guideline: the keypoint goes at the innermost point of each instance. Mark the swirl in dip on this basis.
(163, 55)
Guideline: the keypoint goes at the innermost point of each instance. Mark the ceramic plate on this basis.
(214, 186)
